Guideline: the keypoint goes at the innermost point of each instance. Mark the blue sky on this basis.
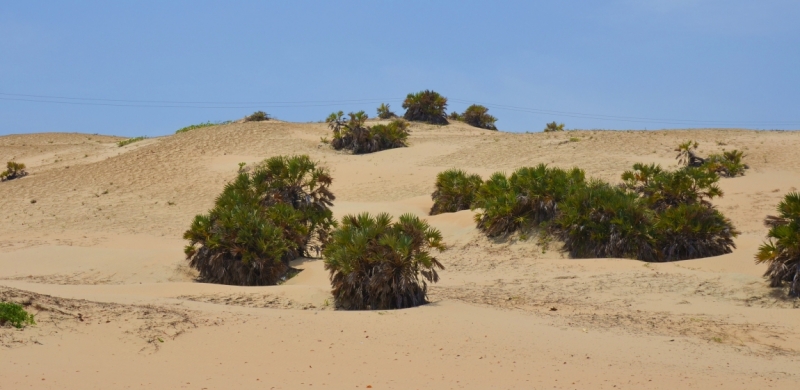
(608, 64)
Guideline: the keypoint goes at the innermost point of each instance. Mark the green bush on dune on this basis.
(455, 191)
(14, 170)
(782, 250)
(261, 221)
(353, 134)
(384, 112)
(378, 264)
(15, 315)
(201, 125)
(426, 106)
(530, 196)
(653, 215)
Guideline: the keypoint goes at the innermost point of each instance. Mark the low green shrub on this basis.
(426, 106)
(478, 116)
(15, 315)
(728, 164)
(353, 134)
(262, 220)
(782, 250)
(130, 141)
(14, 170)
(257, 116)
(600, 220)
(531, 195)
(384, 112)
(378, 264)
(553, 126)
(690, 231)
(455, 191)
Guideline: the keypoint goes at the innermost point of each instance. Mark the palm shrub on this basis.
(377, 264)
(553, 126)
(352, 133)
(728, 164)
(257, 116)
(15, 315)
(426, 106)
(782, 250)
(455, 190)
(686, 224)
(478, 116)
(262, 221)
(600, 220)
(690, 231)
(13, 170)
(531, 195)
(664, 189)
(384, 112)
(455, 116)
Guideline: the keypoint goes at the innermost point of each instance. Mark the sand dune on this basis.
(99, 256)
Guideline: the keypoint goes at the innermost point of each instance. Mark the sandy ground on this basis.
(98, 258)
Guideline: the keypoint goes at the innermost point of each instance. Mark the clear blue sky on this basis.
(680, 62)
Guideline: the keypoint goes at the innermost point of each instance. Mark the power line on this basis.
(326, 103)
(180, 102)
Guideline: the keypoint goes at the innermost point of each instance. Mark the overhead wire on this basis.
(326, 103)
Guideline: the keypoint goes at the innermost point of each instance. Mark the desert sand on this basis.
(99, 259)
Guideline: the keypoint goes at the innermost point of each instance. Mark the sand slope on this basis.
(99, 257)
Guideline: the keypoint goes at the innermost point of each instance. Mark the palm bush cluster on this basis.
(553, 126)
(727, 164)
(375, 263)
(455, 191)
(782, 251)
(15, 315)
(531, 195)
(384, 112)
(426, 106)
(257, 116)
(653, 215)
(14, 170)
(353, 133)
(685, 223)
(476, 115)
(261, 221)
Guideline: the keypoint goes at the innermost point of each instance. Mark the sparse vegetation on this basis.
(257, 116)
(130, 141)
(426, 106)
(728, 164)
(478, 116)
(262, 221)
(553, 126)
(15, 315)
(201, 125)
(455, 191)
(782, 250)
(353, 134)
(384, 112)
(14, 170)
(378, 264)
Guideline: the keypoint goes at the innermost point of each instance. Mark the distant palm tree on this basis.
(384, 112)
(478, 116)
(553, 126)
